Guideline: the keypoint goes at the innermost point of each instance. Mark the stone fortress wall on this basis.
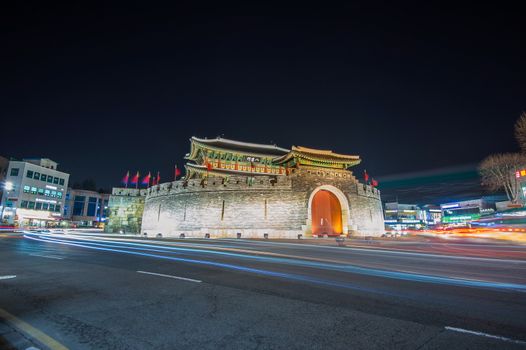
(275, 205)
(126, 210)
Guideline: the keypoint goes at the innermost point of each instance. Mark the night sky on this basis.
(103, 90)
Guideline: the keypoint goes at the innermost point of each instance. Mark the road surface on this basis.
(93, 292)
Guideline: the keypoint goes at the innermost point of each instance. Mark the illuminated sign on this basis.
(51, 187)
(45, 200)
(252, 159)
(390, 221)
(460, 218)
(448, 206)
(520, 173)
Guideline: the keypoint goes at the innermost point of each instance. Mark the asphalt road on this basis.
(105, 293)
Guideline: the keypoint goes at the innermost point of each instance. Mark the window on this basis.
(55, 180)
(41, 191)
(92, 206)
(14, 172)
(53, 194)
(50, 179)
(33, 190)
(47, 193)
(45, 206)
(78, 205)
(38, 206)
(59, 194)
(57, 208)
(43, 177)
(52, 207)
(31, 205)
(29, 174)
(36, 175)
(61, 181)
(26, 189)
(23, 204)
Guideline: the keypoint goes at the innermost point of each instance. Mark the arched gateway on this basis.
(326, 214)
(328, 211)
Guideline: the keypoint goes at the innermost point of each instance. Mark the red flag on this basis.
(158, 178)
(146, 180)
(135, 180)
(374, 183)
(208, 166)
(365, 176)
(177, 172)
(126, 178)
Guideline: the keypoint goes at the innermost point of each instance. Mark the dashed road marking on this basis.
(170, 276)
(7, 277)
(48, 256)
(482, 334)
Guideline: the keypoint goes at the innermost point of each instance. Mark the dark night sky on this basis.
(106, 89)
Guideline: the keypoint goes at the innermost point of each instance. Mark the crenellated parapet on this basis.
(233, 183)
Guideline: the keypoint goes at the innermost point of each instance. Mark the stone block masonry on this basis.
(126, 210)
(278, 206)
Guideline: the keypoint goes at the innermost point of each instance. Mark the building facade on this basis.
(462, 213)
(239, 189)
(400, 216)
(36, 195)
(85, 208)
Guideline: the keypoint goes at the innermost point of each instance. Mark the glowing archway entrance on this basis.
(326, 214)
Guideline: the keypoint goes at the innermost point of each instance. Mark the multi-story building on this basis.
(432, 214)
(398, 216)
(35, 193)
(86, 208)
(464, 212)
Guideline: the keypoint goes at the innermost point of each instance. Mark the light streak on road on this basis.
(123, 247)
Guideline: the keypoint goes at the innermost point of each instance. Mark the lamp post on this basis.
(8, 186)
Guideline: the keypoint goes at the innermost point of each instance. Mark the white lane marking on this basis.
(170, 276)
(7, 277)
(47, 256)
(461, 330)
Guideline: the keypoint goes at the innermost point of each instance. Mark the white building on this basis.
(34, 193)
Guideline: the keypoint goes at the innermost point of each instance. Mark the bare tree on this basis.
(498, 171)
(520, 132)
